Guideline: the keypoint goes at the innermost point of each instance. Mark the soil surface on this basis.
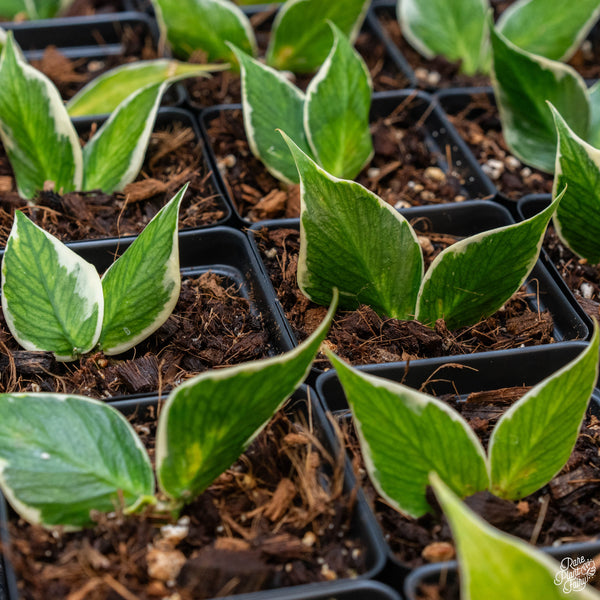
(563, 511)
(174, 157)
(211, 326)
(363, 337)
(477, 120)
(225, 88)
(403, 171)
(441, 73)
(277, 517)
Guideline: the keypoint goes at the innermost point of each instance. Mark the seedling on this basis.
(352, 240)
(405, 434)
(64, 456)
(300, 39)
(42, 144)
(55, 301)
(494, 565)
(330, 122)
(458, 29)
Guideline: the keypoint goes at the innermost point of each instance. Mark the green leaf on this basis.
(270, 102)
(356, 242)
(497, 566)
(51, 297)
(594, 133)
(10, 8)
(115, 154)
(559, 29)
(405, 434)
(62, 456)
(36, 131)
(522, 84)
(336, 111)
(104, 93)
(209, 420)
(300, 38)
(473, 278)
(577, 220)
(142, 287)
(535, 437)
(455, 29)
(206, 25)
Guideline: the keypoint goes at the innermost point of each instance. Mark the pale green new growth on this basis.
(54, 301)
(495, 566)
(405, 435)
(330, 122)
(577, 220)
(352, 240)
(63, 456)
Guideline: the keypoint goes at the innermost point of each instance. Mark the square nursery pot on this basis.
(419, 159)
(462, 376)
(225, 316)
(575, 277)
(474, 114)
(347, 526)
(444, 576)
(468, 218)
(439, 73)
(173, 157)
(74, 50)
(225, 87)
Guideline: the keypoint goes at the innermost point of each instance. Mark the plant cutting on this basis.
(300, 39)
(54, 473)
(55, 301)
(494, 565)
(330, 122)
(342, 225)
(458, 30)
(43, 146)
(529, 445)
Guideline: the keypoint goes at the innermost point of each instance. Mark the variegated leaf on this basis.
(142, 287)
(51, 297)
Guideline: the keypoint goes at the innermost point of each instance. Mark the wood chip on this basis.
(565, 485)
(142, 190)
(281, 499)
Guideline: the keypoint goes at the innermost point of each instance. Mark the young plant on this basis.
(63, 456)
(495, 566)
(55, 301)
(577, 220)
(523, 84)
(405, 434)
(457, 30)
(330, 122)
(42, 144)
(300, 39)
(342, 231)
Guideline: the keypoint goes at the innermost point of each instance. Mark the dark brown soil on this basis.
(70, 76)
(363, 337)
(277, 517)
(403, 170)
(173, 158)
(441, 73)
(225, 88)
(211, 326)
(563, 511)
(479, 125)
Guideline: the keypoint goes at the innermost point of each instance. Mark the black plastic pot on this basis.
(467, 219)
(303, 404)
(440, 137)
(462, 375)
(164, 118)
(446, 574)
